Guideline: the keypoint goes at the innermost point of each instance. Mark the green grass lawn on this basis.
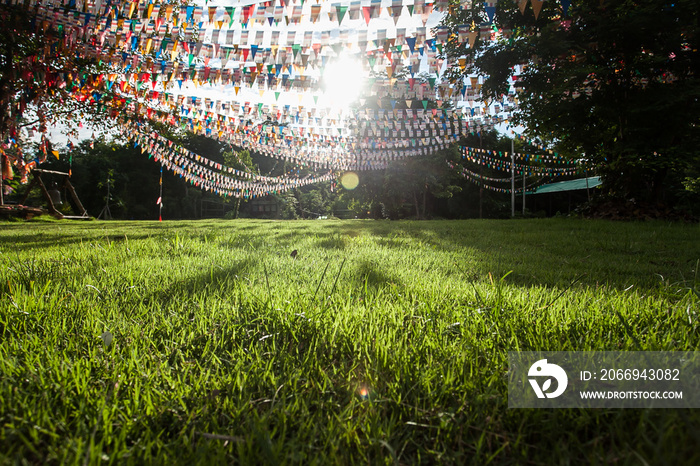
(380, 342)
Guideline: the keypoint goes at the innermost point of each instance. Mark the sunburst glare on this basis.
(343, 80)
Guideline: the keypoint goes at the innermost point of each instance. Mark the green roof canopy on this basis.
(571, 185)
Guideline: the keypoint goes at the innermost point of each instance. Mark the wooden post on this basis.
(74, 195)
(42, 186)
(29, 190)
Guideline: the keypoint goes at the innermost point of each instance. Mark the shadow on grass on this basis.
(219, 280)
(551, 252)
(54, 237)
(540, 252)
(371, 275)
(332, 242)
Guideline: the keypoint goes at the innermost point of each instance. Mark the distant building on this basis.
(262, 207)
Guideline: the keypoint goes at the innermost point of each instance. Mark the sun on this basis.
(343, 81)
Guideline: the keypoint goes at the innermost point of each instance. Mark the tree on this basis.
(43, 79)
(315, 200)
(240, 160)
(614, 83)
(289, 205)
(475, 200)
(413, 183)
(133, 180)
(363, 201)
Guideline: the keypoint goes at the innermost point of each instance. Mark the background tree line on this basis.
(421, 187)
(612, 83)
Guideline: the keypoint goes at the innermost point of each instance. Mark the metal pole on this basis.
(105, 210)
(160, 198)
(512, 177)
(523, 192)
(481, 189)
(2, 180)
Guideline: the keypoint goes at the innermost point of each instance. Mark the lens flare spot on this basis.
(350, 180)
(363, 392)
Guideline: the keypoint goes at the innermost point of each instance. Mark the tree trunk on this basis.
(481, 202)
(238, 206)
(415, 203)
(657, 185)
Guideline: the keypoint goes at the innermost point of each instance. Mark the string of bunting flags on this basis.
(481, 180)
(155, 142)
(161, 40)
(553, 158)
(520, 169)
(214, 178)
(501, 161)
(250, 74)
(476, 176)
(530, 165)
(179, 44)
(394, 134)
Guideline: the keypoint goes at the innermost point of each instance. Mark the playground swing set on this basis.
(53, 195)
